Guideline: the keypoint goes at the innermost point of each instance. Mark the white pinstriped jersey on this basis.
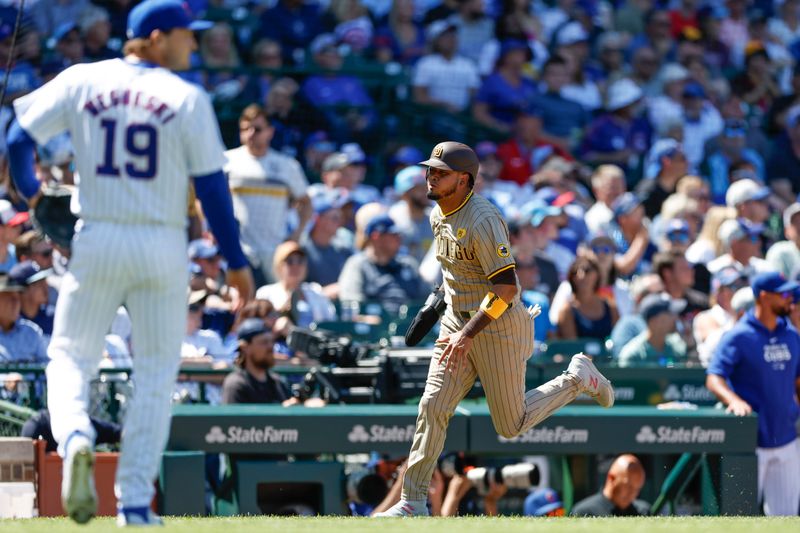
(139, 133)
(262, 188)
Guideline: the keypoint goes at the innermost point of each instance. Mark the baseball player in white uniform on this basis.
(139, 133)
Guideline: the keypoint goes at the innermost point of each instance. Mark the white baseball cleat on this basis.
(138, 517)
(78, 495)
(592, 382)
(404, 508)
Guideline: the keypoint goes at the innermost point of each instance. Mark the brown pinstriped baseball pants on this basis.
(498, 356)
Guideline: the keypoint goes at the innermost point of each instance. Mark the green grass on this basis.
(430, 525)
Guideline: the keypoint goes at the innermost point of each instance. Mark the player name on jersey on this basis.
(452, 250)
(114, 98)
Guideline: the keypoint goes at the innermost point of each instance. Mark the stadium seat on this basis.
(567, 348)
(359, 331)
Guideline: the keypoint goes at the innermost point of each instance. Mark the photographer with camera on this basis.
(252, 381)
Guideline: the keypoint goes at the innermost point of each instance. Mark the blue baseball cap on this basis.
(485, 149)
(408, 178)
(694, 90)
(63, 30)
(654, 304)
(407, 155)
(202, 249)
(539, 210)
(771, 282)
(726, 277)
(542, 502)
(625, 204)
(27, 273)
(661, 148)
(676, 225)
(164, 15)
(382, 224)
(252, 327)
(355, 154)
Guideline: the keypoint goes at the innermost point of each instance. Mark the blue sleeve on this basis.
(21, 149)
(485, 91)
(726, 356)
(212, 191)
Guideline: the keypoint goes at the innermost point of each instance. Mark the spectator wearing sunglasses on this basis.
(708, 326)
(588, 315)
(601, 249)
(301, 301)
(676, 236)
(678, 277)
(742, 244)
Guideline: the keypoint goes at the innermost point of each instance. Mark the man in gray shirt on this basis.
(378, 273)
(325, 256)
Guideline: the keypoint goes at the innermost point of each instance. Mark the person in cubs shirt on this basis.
(756, 368)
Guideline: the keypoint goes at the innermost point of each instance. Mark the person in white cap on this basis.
(620, 136)
(750, 200)
(444, 78)
(742, 244)
(784, 256)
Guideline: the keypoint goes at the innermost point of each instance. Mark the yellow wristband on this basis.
(493, 305)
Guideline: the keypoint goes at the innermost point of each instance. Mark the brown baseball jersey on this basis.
(472, 246)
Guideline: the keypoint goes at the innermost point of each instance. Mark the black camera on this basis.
(327, 347)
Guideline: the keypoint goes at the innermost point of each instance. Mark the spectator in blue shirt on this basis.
(506, 91)
(562, 119)
(732, 150)
(21, 340)
(342, 100)
(756, 368)
(294, 24)
(783, 168)
(35, 294)
(621, 135)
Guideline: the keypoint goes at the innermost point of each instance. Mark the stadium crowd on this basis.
(644, 153)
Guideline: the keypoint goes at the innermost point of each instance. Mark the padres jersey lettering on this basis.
(472, 246)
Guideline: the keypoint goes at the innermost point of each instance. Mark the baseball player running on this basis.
(139, 132)
(485, 331)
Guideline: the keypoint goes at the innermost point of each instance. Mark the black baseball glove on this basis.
(426, 317)
(53, 217)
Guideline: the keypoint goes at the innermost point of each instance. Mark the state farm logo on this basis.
(380, 433)
(556, 435)
(252, 434)
(215, 435)
(680, 435)
(646, 434)
(688, 393)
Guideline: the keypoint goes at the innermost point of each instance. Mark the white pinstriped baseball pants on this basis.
(499, 357)
(144, 268)
(779, 479)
